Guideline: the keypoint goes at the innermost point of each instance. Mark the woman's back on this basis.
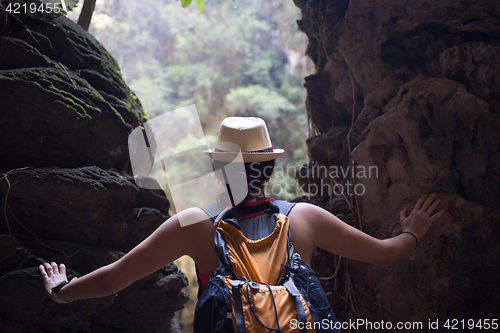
(311, 226)
(304, 230)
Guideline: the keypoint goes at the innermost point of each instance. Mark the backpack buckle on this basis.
(237, 283)
(254, 285)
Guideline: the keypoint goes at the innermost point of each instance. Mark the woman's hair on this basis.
(257, 174)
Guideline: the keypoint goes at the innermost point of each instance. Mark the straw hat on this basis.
(250, 135)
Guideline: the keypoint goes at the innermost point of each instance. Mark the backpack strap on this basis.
(299, 307)
(221, 250)
(238, 307)
(284, 206)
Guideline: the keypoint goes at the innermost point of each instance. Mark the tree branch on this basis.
(86, 14)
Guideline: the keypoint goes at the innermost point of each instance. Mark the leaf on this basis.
(185, 3)
(70, 4)
(200, 4)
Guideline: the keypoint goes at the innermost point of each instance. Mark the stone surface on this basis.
(79, 111)
(63, 197)
(65, 190)
(409, 88)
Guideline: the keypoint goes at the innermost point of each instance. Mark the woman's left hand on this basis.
(52, 275)
(421, 218)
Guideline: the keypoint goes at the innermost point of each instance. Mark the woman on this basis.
(311, 226)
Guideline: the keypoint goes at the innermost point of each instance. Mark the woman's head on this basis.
(257, 174)
(245, 139)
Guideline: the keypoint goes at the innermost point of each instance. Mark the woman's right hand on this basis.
(422, 216)
(52, 275)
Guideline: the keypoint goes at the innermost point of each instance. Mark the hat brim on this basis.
(247, 157)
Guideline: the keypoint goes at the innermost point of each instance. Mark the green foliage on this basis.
(268, 69)
(235, 58)
(71, 4)
(259, 101)
(199, 3)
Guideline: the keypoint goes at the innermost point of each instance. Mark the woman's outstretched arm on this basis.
(166, 244)
(330, 233)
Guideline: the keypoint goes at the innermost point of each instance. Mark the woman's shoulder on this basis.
(309, 216)
(198, 230)
(301, 208)
(194, 213)
(194, 218)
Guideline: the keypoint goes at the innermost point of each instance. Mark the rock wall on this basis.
(408, 90)
(65, 191)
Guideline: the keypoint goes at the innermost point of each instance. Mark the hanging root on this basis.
(7, 195)
(6, 206)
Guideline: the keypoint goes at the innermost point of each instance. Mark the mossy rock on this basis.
(79, 111)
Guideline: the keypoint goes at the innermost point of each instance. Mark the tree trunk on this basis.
(86, 14)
